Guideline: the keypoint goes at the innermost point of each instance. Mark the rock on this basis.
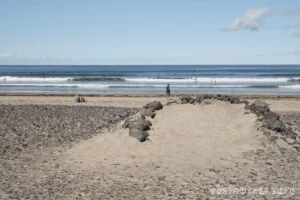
(296, 147)
(198, 100)
(220, 97)
(245, 102)
(259, 107)
(275, 125)
(132, 119)
(260, 103)
(141, 124)
(138, 126)
(271, 116)
(147, 122)
(273, 138)
(211, 96)
(155, 105)
(192, 101)
(185, 100)
(234, 101)
(262, 109)
(139, 134)
(290, 133)
(260, 118)
(147, 112)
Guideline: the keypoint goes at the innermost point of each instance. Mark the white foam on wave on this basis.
(32, 79)
(59, 85)
(208, 80)
(184, 86)
(120, 85)
(291, 86)
(150, 80)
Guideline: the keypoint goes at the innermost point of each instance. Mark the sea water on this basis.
(129, 79)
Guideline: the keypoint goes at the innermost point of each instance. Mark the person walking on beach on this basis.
(168, 90)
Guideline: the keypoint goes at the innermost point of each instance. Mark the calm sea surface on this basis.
(92, 79)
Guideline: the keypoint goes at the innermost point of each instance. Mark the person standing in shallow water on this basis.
(168, 90)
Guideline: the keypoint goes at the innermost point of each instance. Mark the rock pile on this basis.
(138, 124)
(201, 98)
(271, 120)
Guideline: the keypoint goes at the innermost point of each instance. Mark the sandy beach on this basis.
(52, 148)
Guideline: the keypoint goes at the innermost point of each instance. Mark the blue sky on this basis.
(149, 31)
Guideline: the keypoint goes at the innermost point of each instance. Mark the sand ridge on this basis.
(182, 136)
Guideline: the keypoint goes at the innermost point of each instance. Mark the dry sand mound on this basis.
(183, 137)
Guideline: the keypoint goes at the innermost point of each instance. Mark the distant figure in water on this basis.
(168, 90)
(195, 79)
(215, 83)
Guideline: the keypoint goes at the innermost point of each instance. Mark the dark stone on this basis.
(235, 101)
(262, 109)
(273, 138)
(132, 119)
(259, 107)
(147, 112)
(155, 105)
(290, 133)
(260, 103)
(245, 102)
(138, 126)
(247, 107)
(267, 133)
(212, 97)
(147, 122)
(275, 125)
(271, 116)
(141, 124)
(198, 100)
(220, 98)
(139, 134)
(185, 100)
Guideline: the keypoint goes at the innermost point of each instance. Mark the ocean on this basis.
(130, 79)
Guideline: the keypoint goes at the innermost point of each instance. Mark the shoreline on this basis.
(242, 96)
